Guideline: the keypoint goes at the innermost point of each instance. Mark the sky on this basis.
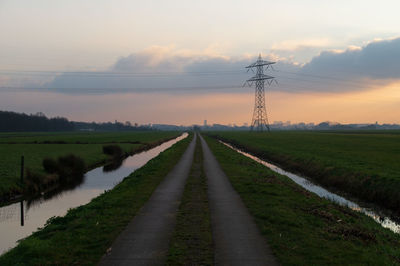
(182, 62)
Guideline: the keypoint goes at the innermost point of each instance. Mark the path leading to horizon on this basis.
(145, 241)
(237, 239)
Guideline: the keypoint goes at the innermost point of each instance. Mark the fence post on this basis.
(22, 184)
(22, 170)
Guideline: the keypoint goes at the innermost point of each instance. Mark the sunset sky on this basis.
(181, 62)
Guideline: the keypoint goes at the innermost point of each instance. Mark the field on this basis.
(88, 146)
(83, 235)
(300, 227)
(365, 165)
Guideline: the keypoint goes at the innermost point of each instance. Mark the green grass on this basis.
(365, 165)
(300, 227)
(83, 235)
(91, 152)
(192, 242)
(84, 137)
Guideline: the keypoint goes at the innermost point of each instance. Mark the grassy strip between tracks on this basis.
(83, 235)
(301, 228)
(192, 242)
(364, 165)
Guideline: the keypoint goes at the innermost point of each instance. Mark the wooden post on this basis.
(22, 170)
(22, 184)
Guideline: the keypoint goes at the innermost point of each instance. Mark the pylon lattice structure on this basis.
(260, 119)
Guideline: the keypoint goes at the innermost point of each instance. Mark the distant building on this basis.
(205, 123)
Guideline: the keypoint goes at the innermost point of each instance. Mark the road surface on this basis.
(237, 238)
(145, 241)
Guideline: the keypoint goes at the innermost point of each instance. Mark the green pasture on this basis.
(88, 146)
(300, 227)
(85, 233)
(366, 165)
(84, 137)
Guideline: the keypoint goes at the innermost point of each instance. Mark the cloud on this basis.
(159, 69)
(295, 45)
(167, 69)
(4, 80)
(377, 60)
(153, 59)
(376, 64)
(302, 50)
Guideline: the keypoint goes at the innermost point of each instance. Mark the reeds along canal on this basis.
(19, 220)
(377, 214)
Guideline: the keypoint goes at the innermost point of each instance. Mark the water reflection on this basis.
(113, 165)
(22, 212)
(379, 216)
(34, 213)
(57, 192)
(8, 212)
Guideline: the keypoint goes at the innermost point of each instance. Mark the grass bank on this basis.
(87, 146)
(192, 242)
(85, 233)
(300, 227)
(364, 165)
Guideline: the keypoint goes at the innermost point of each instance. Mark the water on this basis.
(36, 213)
(375, 214)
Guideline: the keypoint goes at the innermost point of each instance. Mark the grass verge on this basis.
(83, 235)
(192, 242)
(301, 228)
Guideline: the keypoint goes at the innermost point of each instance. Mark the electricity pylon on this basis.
(260, 119)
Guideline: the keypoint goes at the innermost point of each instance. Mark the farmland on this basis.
(365, 165)
(300, 227)
(88, 146)
(83, 235)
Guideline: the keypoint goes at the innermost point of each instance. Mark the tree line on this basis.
(18, 122)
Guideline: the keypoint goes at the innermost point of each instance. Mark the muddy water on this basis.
(378, 215)
(35, 214)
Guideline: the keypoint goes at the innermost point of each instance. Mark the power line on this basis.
(311, 75)
(120, 89)
(312, 80)
(324, 83)
(117, 73)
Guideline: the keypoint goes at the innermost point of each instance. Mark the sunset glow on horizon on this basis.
(111, 62)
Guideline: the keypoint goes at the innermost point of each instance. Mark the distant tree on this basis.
(40, 114)
(11, 121)
(14, 122)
